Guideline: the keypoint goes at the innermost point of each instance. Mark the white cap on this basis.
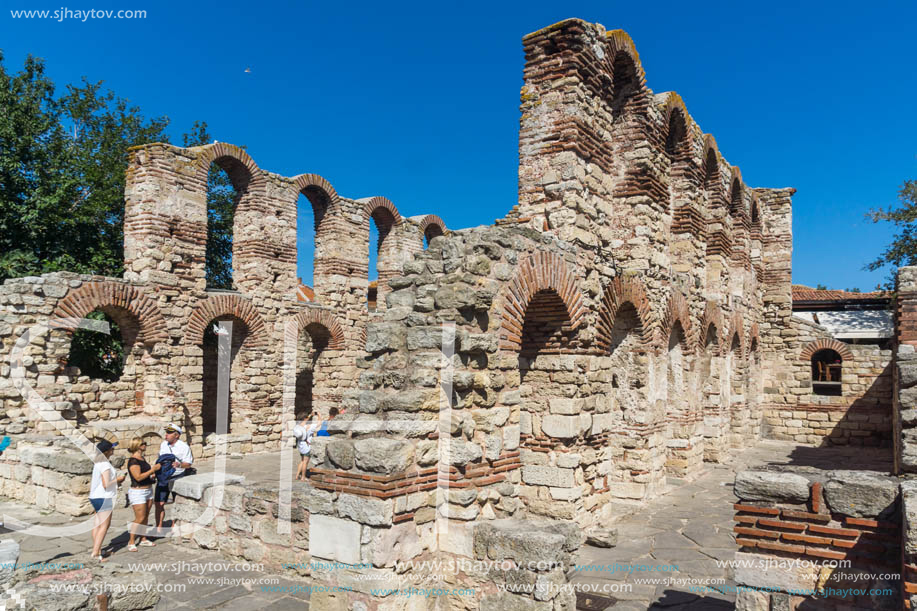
(174, 427)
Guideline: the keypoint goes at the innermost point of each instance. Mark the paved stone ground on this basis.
(690, 527)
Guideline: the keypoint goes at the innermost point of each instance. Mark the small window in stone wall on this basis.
(826, 372)
(97, 355)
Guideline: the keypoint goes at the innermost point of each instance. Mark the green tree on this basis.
(221, 202)
(62, 164)
(903, 248)
(821, 287)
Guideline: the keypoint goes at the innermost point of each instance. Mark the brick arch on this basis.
(809, 350)
(623, 58)
(677, 311)
(674, 109)
(713, 315)
(96, 434)
(736, 329)
(93, 296)
(226, 305)
(432, 222)
(303, 182)
(323, 318)
(242, 170)
(619, 292)
(542, 271)
(619, 42)
(736, 194)
(378, 202)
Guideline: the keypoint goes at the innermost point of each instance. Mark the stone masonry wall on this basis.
(793, 528)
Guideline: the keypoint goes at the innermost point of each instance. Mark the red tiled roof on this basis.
(807, 293)
(305, 293)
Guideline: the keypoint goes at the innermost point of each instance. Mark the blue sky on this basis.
(419, 101)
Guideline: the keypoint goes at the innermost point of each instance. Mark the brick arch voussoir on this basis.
(541, 271)
(381, 202)
(736, 329)
(713, 315)
(93, 296)
(431, 219)
(677, 311)
(306, 181)
(809, 350)
(617, 293)
(619, 41)
(226, 305)
(220, 150)
(323, 318)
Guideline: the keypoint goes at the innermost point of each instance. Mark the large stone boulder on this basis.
(861, 494)
(771, 486)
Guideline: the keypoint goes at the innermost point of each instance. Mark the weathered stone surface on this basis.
(461, 452)
(771, 486)
(341, 453)
(540, 475)
(193, 486)
(379, 455)
(365, 509)
(602, 537)
(9, 556)
(861, 494)
(524, 541)
(332, 538)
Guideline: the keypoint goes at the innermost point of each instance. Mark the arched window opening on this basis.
(313, 340)
(227, 182)
(546, 328)
(711, 171)
(211, 364)
(625, 84)
(381, 255)
(676, 140)
(311, 209)
(735, 201)
(826, 372)
(711, 349)
(628, 361)
(755, 215)
(676, 371)
(432, 231)
(101, 356)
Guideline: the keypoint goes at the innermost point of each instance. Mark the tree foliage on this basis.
(98, 355)
(903, 248)
(62, 165)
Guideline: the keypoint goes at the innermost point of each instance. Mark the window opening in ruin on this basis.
(101, 356)
(755, 215)
(432, 231)
(625, 84)
(311, 211)
(735, 201)
(546, 325)
(381, 252)
(711, 171)
(210, 370)
(312, 342)
(676, 362)
(826, 372)
(676, 136)
(222, 197)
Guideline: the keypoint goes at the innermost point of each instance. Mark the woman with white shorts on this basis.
(141, 493)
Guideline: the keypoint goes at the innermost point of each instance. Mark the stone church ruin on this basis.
(631, 318)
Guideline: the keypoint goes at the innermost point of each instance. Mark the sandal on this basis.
(100, 558)
(132, 548)
(147, 543)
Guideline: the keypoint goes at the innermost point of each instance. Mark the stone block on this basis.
(771, 486)
(565, 427)
(541, 475)
(334, 539)
(193, 486)
(861, 494)
(386, 456)
(365, 510)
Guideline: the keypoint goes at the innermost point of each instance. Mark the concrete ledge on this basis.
(193, 486)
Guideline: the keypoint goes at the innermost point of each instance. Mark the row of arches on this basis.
(316, 333)
(252, 213)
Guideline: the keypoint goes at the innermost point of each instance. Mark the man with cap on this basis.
(172, 444)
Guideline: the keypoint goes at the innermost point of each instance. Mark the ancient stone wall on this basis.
(791, 527)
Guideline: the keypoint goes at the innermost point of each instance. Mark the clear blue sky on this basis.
(419, 102)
